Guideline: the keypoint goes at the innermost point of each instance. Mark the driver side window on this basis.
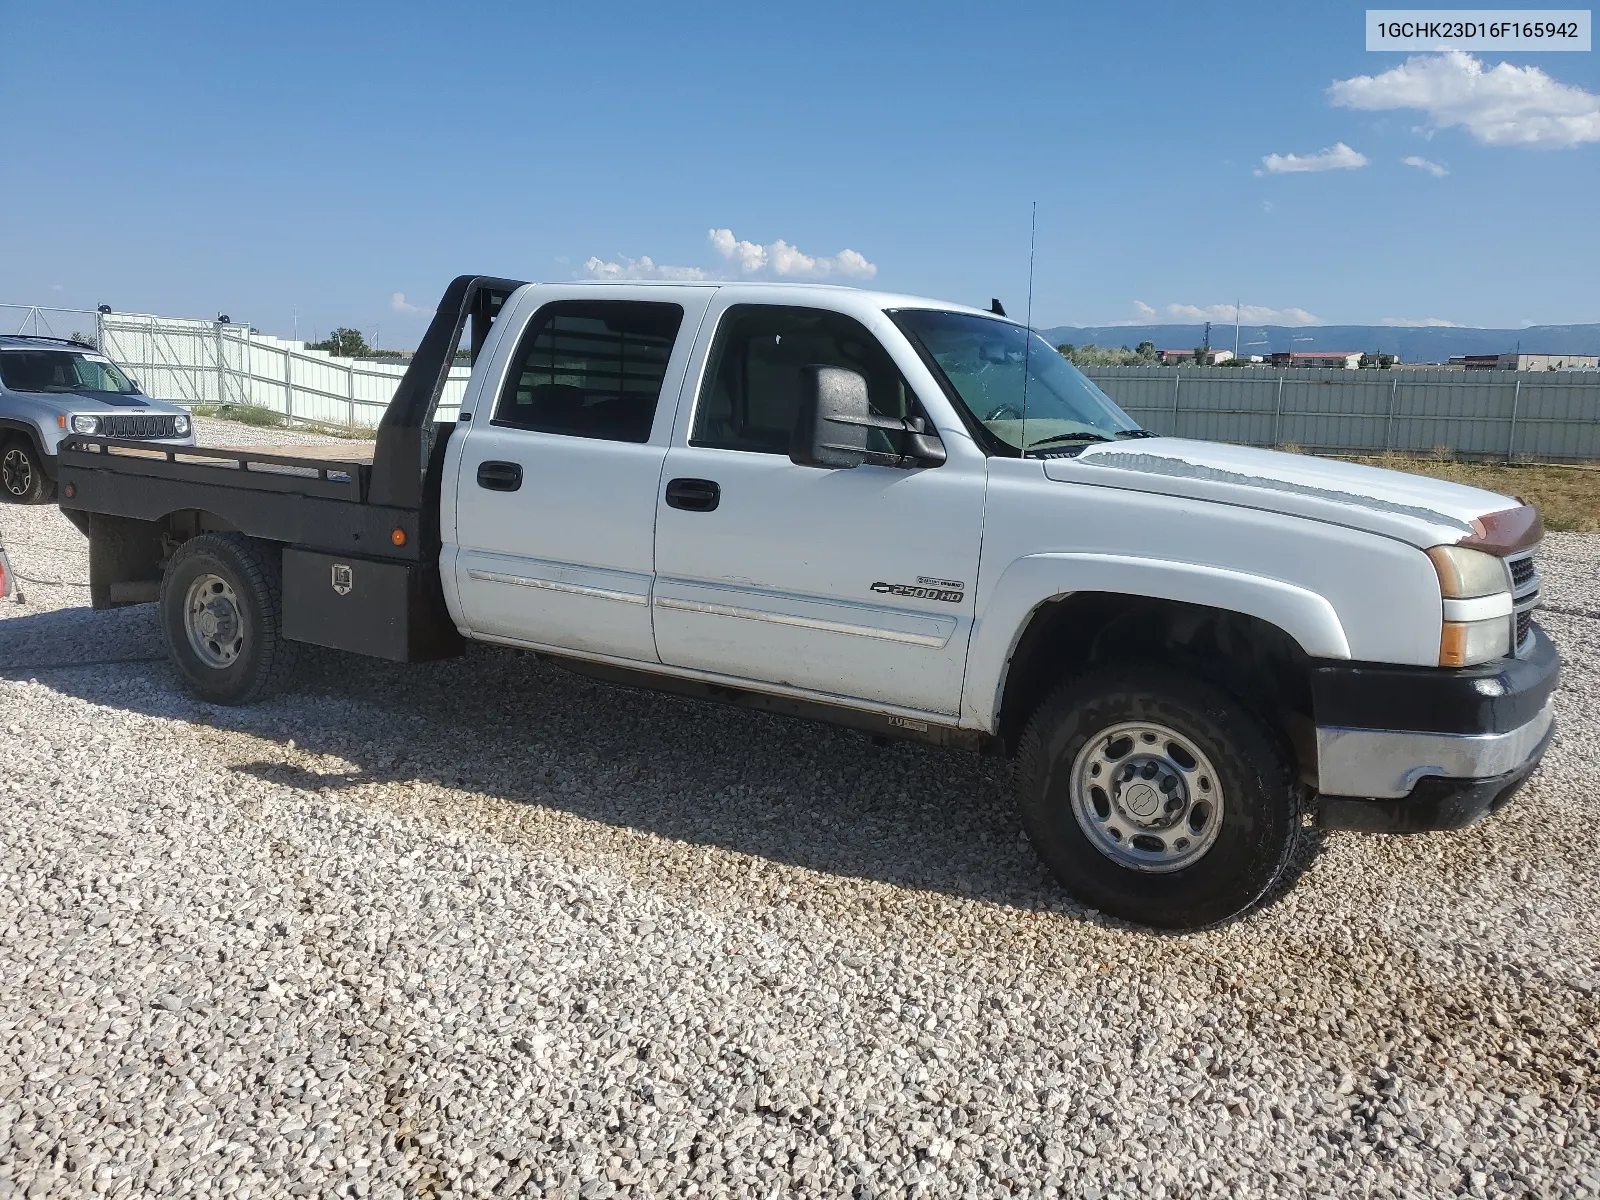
(751, 396)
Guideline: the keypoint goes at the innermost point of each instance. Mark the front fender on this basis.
(1040, 578)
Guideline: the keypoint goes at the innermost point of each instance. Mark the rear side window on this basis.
(591, 368)
(751, 396)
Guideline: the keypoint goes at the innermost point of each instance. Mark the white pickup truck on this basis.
(902, 515)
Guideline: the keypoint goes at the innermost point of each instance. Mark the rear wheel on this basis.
(1156, 798)
(221, 616)
(22, 477)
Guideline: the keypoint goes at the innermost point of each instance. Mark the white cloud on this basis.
(1249, 314)
(639, 268)
(400, 304)
(1437, 170)
(1143, 309)
(1337, 157)
(786, 261)
(1421, 322)
(740, 259)
(1501, 106)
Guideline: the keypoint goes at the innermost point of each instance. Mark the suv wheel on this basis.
(22, 477)
(1156, 798)
(221, 612)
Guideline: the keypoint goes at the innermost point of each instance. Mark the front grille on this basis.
(1524, 624)
(139, 425)
(1521, 572)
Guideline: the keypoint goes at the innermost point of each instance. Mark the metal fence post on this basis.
(1511, 439)
(288, 384)
(350, 390)
(220, 392)
(1277, 416)
(1177, 377)
(1388, 427)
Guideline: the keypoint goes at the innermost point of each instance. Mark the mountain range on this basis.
(1410, 344)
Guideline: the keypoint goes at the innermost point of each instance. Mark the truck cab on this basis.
(918, 519)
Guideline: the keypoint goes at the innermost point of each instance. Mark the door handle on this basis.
(500, 476)
(694, 495)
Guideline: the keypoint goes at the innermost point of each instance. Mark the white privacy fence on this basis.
(210, 362)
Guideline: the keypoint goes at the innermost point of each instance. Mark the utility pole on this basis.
(1236, 331)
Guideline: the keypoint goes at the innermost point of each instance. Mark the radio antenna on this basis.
(1027, 338)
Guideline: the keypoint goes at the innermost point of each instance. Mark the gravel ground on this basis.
(482, 927)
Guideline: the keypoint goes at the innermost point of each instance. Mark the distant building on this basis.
(1333, 360)
(1515, 360)
(1172, 358)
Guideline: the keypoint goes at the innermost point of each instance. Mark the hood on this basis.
(76, 400)
(66, 403)
(1424, 512)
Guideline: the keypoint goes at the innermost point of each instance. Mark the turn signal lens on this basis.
(1467, 643)
(1464, 574)
(398, 537)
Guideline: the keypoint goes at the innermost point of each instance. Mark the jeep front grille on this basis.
(138, 425)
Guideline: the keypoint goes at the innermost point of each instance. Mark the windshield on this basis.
(62, 371)
(982, 360)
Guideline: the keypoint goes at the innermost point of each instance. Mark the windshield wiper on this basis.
(1136, 433)
(1068, 437)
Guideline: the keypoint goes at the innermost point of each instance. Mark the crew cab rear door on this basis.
(559, 469)
(854, 584)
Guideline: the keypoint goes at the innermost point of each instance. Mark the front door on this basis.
(556, 488)
(855, 583)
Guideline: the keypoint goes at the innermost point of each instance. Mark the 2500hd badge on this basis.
(948, 590)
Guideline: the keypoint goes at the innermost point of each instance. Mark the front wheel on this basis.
(22, 477)
(221, 616)
(1156, 798)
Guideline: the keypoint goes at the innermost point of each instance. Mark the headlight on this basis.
(1476, 588)
(180, 425)
(83, 423)
(1464, 574)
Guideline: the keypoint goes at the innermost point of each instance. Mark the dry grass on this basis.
(1568, 498)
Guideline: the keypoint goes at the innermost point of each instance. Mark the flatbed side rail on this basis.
(306, 476)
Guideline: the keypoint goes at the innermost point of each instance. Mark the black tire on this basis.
(22, 477)
(1260, 823)
(265, 661)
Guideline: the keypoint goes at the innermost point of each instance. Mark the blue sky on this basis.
(258, 159)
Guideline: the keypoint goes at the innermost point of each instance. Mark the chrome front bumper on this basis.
(1388, 763)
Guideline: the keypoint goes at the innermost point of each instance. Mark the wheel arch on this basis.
(10, 426)
(1258, 636)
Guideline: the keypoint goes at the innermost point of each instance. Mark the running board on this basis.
(883, 725)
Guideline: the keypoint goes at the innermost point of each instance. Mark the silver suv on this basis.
(51, 388)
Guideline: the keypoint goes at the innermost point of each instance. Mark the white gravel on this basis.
(482, 927)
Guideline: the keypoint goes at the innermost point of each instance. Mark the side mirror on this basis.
(833, 423)
(835, 415)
